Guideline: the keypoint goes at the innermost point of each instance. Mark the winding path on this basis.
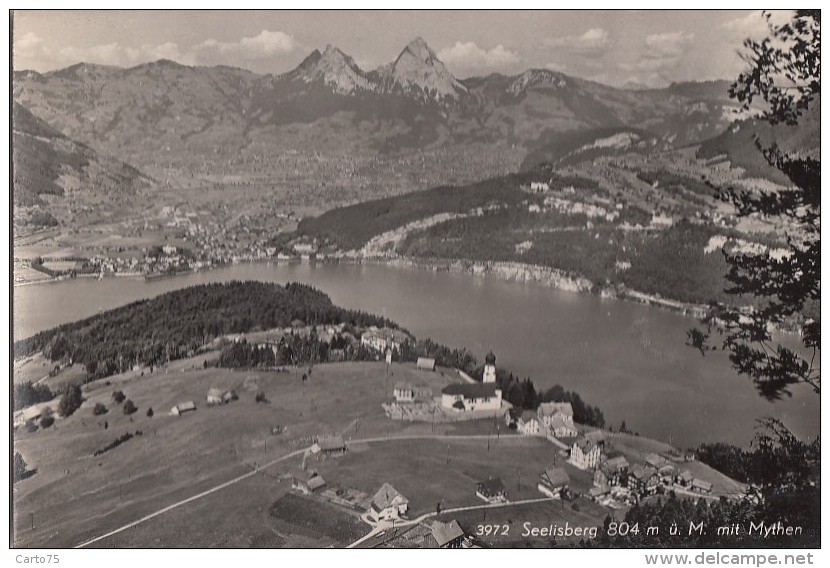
(290, 455)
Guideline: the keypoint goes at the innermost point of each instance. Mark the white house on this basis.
(183, 407)
(387, 504)
(381, 339)
(471, 396)
(539, 186)
(425, 363)
(491, 490)
(528, 423)
(585, 454)
(558, 419)
(404, 392)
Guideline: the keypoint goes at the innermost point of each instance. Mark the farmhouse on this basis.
(407, 392)
(553, 482)
(381, 339)
(684, 478)
(183, 407)
(701, 486)
(611, 472)
(643, 480)
(333, 445)
(492, 490)
(448, 535)
(585, 454)
(308, 485)
(425, 363)
(387, 504)
(468, 397)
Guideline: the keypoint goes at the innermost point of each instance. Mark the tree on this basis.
(70, 401)
(129, 407)
(150, 412)
(785, 72)
(20, 468)
(47, 419)
(99, 409)
(118, 396)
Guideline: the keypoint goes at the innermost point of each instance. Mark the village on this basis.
(349, 441)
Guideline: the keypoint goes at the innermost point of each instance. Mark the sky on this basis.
(649, 48)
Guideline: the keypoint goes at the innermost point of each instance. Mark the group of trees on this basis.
(178, 324)
(26, 394)
(522, 393)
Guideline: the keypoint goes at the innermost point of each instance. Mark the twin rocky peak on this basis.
(417, 71)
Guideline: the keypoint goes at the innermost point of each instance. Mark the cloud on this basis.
(754, 24)
(470, 56)
(668, 45)
(595, 41)
(263, 45)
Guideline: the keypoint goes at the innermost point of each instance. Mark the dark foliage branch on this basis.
(785, 73)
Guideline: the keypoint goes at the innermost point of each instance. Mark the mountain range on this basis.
(177, 122)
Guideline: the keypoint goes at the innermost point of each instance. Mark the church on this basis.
(465, 397)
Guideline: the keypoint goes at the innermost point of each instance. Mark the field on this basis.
(76, 495)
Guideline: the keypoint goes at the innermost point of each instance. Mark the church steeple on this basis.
(489, 368)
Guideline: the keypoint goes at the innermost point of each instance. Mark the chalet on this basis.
(554, 482)
(447, 535)
(585, 453)
(425, 363)
(387, 504)
(183, 407)
(611, 472)
(308, 485)
(492, 490)
(539, 186)
(471, 396)
(700, 486)
(528, 423)
(381, 339)
(657, 461)
(327, 446)
(684, 478)
(643, 480)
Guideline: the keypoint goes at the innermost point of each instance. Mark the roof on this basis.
(557, 476)
(471, 390)
(334, 443)
(403, 386)
(385, 496)
(686, 475)
(446, 532)
(490, 358)
(316, 482)
(425, 362)
(216, 392)
(615, 464)
(701, 484)
(641, 472)
(585, 444)
(388, 334)
(528, 415)
(553, 408)
(492, 486)
(655, 460)
(189, 405)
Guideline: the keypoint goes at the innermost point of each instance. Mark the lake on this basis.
(630, 360)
